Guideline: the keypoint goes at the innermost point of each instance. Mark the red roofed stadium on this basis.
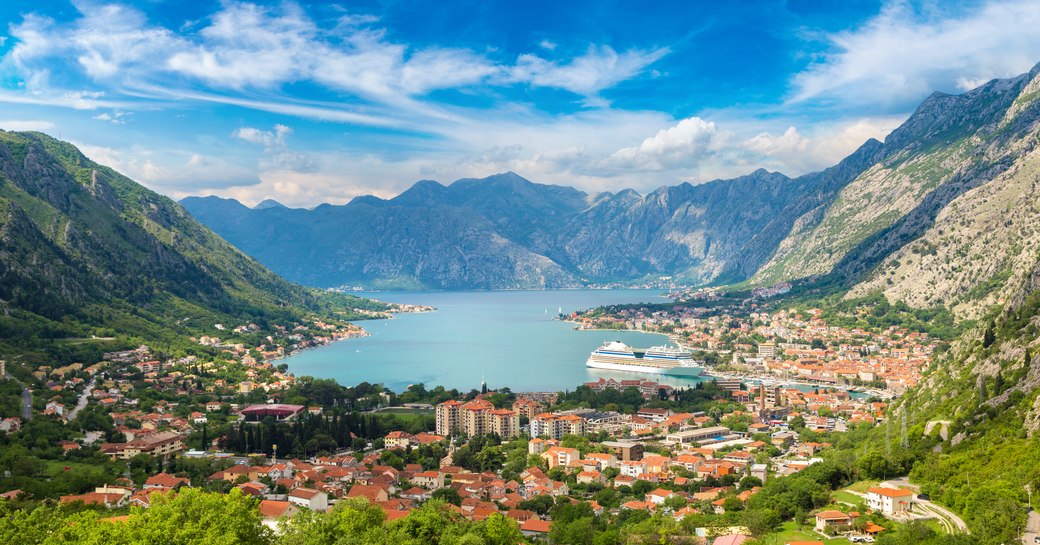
(279, 411)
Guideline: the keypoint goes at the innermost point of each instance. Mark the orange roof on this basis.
(536, 525)
(273, 509)
(890, 492)
(832, 515)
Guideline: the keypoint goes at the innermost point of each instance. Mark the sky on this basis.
(312, 102)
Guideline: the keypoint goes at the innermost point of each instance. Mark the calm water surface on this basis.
(511, 338)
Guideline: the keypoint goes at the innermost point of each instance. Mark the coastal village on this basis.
(786, 346)
(651, 459)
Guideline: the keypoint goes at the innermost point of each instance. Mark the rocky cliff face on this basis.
(948, 148)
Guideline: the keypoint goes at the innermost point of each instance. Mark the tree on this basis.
(196, 517)
(447, 495)
(501, 530)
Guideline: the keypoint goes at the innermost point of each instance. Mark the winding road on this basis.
(928, 506)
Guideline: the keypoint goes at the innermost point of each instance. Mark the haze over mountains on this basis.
(507, 232)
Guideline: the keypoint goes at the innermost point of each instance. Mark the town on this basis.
(634, 449)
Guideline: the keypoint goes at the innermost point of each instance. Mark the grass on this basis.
(847, 497)
(789, 531)
(862, 486)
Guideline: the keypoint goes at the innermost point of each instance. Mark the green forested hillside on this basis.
(86, 251)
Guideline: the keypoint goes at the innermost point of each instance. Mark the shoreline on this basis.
(408, 309)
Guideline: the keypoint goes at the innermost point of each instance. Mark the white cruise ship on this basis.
(658, 360)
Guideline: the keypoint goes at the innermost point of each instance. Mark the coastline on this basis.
(390, 315)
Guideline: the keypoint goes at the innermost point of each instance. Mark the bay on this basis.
(509, 338)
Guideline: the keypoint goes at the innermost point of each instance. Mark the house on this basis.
(417, 494)
(834, 521)
(315, 500)
(107, 499)
(761, 471)
(430, 479)
(889, 500)
(374, 494)
(561, 456)
(657, 497)
(165, 480)
(397, 439)
(272, 510)
(536, 528)
(590, 476)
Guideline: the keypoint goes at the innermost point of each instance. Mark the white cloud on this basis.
(685, 144)
(26, 125)
(900, 56)
(598, 69)
(172, 171)
(246, 46)
(544, 44)
(117, 117)
(277, 155)
(269, 139)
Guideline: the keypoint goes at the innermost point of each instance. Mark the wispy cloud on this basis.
(903, 54)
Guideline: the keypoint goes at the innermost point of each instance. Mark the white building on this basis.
(311, 499)
(889, 500)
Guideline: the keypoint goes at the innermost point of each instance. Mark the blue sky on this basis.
(310, 102)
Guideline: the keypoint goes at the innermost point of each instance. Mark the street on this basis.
(1032, 528)
(84, 398)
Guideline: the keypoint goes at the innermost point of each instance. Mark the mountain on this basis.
(945, 217)
(507, 232)
(83, 248)
(901, 216)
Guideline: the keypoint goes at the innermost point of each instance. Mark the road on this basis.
(26, 404)
(26, 398)
(84, 398)
(1032, 528)
(929, 506)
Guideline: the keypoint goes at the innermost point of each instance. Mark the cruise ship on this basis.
(658, 360)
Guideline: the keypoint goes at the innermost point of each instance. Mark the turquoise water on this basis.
(511, 338)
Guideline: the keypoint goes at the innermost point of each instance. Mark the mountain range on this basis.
(845, 223)
(506, 232)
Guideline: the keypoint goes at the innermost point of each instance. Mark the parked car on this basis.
(924, 497)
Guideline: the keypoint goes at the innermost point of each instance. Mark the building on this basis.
(761, 471)
(477, 417)
(527, 407)
(561, 456)
(625, 451)
(889, 500)
(397, 439)
(157, 444)
(555, 426)
(767, 350)
(697, 435)
(314, 500)
(834, 521)
(449, 418)
(280, 412)
(654, 415)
